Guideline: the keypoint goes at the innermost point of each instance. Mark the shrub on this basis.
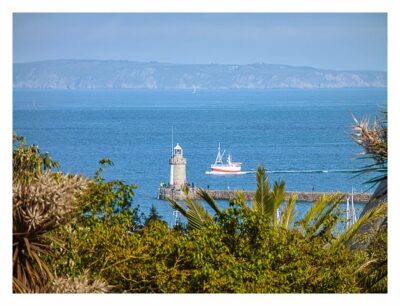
(42, 201)
(250, 256)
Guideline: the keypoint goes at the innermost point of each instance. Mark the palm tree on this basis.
(267, 202)
(373, 140)
(322, 217)
(320, 220)
(194, 211)
(42, 201)
(270, 202)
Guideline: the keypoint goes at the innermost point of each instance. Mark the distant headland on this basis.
(109, 74)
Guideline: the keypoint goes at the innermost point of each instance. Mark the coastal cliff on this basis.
(96, 74)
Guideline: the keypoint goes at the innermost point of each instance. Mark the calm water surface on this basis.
(301, 136)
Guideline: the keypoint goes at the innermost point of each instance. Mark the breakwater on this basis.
(168, 192)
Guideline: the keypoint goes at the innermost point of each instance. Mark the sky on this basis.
(341, 41)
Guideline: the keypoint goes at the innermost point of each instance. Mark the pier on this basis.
(171, 192)
(173, 189)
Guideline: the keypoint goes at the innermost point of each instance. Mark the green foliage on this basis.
(77, 235)
(321, 218)
(269, 208)
(28, 161)
(267, 201)
(288, 214)
(108, 202)
(373, 140)
(270, 203)
(153, 216)
(42, 201)
(194, 211)
(242, 252)
(372, 274)
(240, 249)
(373, 235)
(368, 219)
(372, 246)
(104, 219)
(238, 253)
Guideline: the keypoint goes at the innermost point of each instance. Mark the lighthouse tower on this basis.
(178, 168)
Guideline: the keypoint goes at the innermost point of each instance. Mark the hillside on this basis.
(92, 74)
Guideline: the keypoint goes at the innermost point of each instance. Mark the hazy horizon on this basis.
(171, 63)
(333, 41)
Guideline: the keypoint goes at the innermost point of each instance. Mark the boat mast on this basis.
(172, 141)
(351, 216)
(218, 160)
(353, 210)
(348, 213)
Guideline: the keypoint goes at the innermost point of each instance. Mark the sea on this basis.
(300, 136)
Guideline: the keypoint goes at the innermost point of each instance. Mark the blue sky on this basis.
(333, 41)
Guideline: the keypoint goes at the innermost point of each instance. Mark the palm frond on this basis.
(278, 196)
(175, 205)
(288, 214)
(367, 218)
(266, 202)
(261, 195)
(373, 139)
(209, 200)
(199, 210)
(198, 216)
(325, 217)
(240, 199)
(41, 204)
(194, 212)
(374, 277)
(81, 284)
(20, 286)
(312, 212)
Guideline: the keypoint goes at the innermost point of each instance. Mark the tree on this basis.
(42, 201)
(194, 211)
(73, 234)
(269, 208)
(105, 216)
(373, 140)
(373, 236)
(153, 216)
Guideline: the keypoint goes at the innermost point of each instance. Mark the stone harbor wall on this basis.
(177, 194)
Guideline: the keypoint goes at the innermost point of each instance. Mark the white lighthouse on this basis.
(178, 168)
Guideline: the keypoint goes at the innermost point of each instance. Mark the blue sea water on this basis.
(300, 136)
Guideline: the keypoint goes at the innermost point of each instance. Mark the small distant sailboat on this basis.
(218, 167)
(194, 90)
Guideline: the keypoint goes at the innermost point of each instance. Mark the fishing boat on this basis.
(218, 167)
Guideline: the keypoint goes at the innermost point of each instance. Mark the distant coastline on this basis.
(101, 74)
